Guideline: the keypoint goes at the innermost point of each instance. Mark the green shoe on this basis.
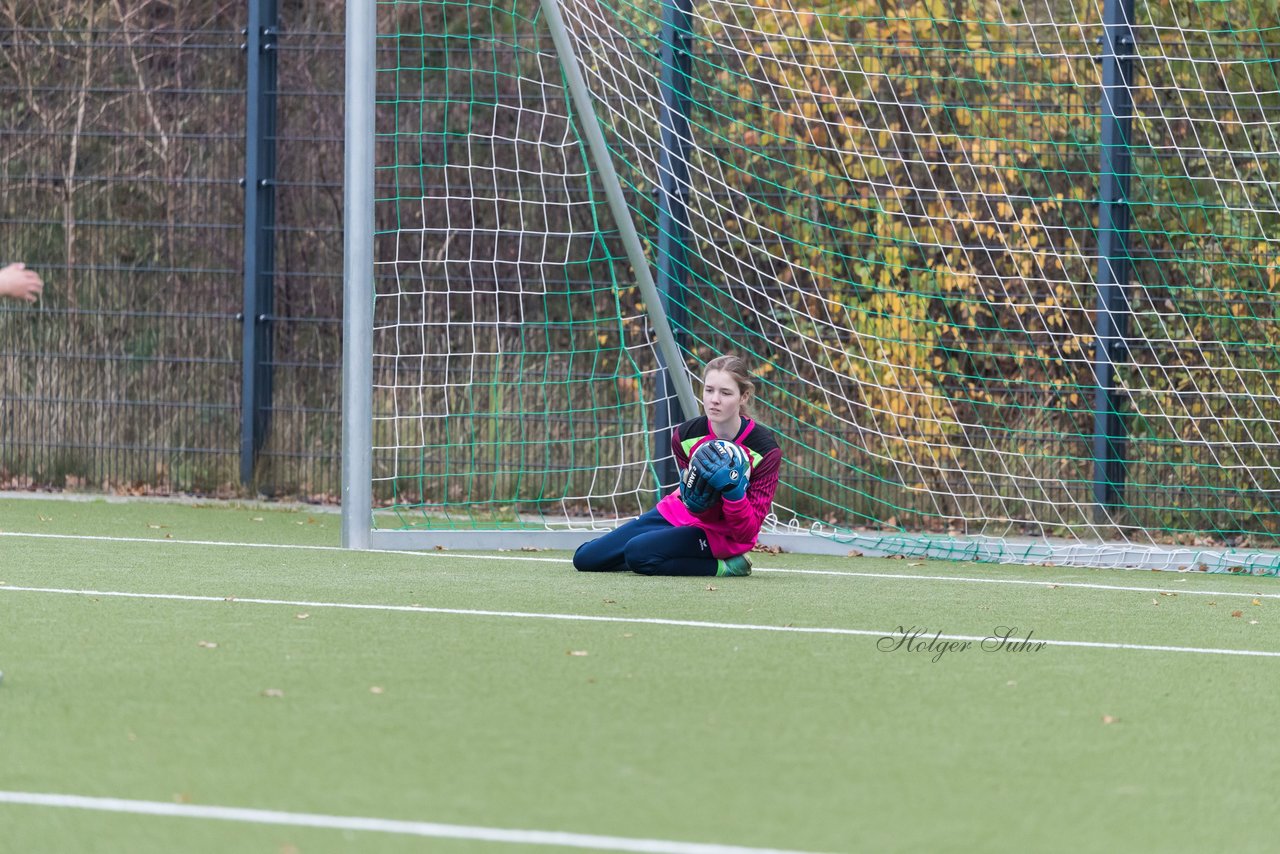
(734, 566)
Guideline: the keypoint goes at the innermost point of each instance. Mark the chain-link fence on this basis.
(122, 155)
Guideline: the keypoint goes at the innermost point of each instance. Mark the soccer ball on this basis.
(738, 458)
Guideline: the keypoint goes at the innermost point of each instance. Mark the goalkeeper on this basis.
(729, 471)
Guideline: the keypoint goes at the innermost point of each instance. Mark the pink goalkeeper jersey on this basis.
(732, 527)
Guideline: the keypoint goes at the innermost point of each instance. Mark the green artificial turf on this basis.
(692, 733)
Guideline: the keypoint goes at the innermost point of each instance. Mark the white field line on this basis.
(284, 546)
(649, 621)
(378, 825)
(1048, 583)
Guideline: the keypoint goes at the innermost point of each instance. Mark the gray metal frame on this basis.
(357, 348)
(357, 468)
(1012, 550)
(357, 272)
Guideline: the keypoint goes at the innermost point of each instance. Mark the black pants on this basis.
(649, 545)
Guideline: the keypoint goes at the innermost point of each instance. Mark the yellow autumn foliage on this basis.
(918, 183)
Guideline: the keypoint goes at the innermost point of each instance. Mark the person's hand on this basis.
(712, 461)
(725, 467)
(739, 480)
(695, 492)
(17, 282)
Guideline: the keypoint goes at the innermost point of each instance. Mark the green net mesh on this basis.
(893, 212)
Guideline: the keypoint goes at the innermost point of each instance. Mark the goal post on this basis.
(357, 274)
(669, 374)
(1006, 270)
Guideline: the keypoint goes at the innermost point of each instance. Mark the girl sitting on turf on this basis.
(729, 471)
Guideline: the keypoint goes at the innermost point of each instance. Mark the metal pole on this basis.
(590, 124)
(259, 232)
(1109, 433)
(357, 269)
(673, 211)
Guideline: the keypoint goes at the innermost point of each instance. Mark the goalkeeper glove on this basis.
(738, 482)
(723, 469)
(695, 491)
(712, 462)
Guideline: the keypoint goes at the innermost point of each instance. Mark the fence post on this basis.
(259, 230)
(1112, 326)
(673, 212)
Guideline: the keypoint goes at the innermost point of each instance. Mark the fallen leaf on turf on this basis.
(1256, 602)
(1237, 613)
(302, 616)
(273, 692)
(1108, 719)
(577, 652)
(375, 689)
(207, 644)
(1213, 604)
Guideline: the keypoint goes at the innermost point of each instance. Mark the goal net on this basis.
(908, 215)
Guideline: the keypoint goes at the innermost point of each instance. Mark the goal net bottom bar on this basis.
(1019, 550)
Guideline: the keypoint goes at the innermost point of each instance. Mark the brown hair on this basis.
(736, 367)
